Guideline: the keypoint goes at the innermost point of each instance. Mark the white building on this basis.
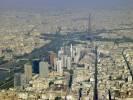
(68, 63)
(71, 50)
(43, 69)
(60, 66)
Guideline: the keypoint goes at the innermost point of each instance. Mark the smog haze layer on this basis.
(69, 4)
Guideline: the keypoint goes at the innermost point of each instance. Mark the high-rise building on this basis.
(77, 55)
(55, 63)
(71, 50)
(52, 58)
(43, 69)
(19, 80)
(28, 72)
(23, 80)
(60, 66)
(68, 63)
(60, 52)
(35, 66)
(67, 50)
(64, 58)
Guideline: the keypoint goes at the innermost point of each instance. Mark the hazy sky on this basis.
(66, 3)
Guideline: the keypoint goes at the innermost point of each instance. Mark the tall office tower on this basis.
(43, 69)
(60, 66)
(55, 63)
(68, 63)
(77, 55)
(74, 54)
(71, 50)
(67, 51)
(77, 58)
(23, 80)
(28, 72)
(19, 80)
(60, 52)
(52, 57)
(64, 58)
(35, 66)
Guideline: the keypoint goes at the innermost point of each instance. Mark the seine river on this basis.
(3, 75)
